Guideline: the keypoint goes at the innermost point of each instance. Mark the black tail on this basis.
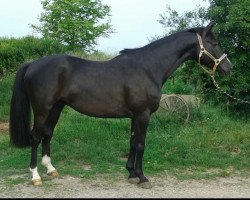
(20, 111)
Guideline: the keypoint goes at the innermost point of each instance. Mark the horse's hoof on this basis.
(133, 180)
(145, 185)
(53, 173)
(37, 182)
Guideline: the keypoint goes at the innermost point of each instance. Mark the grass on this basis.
(212, 144)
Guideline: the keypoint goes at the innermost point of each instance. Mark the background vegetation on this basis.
(16, 51)
(232, 25)
(76, 23)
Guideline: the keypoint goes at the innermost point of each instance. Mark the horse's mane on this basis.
(161, 40)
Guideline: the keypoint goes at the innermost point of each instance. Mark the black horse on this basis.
(127, 86)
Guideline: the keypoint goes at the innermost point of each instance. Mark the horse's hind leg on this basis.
(51, 122)
(36, 137)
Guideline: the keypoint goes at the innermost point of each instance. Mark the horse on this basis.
(126, 86)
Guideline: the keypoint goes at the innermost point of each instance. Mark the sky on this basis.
(134, 21)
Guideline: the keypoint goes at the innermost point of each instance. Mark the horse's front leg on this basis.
(133, 178)
(138, 142)
(142, 122)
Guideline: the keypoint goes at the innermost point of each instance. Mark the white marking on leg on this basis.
(46, 161)
(35, 175)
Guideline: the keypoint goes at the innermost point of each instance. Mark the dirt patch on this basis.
(4, 127)
(106, 187)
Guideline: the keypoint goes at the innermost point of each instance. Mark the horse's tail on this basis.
(20, 111)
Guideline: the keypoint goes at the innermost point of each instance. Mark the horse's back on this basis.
(105, 89)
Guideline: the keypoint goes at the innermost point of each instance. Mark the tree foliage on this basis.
(75, 23)
(232, 18)
(172, 21)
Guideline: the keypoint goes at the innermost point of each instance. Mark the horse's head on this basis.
(210, 53)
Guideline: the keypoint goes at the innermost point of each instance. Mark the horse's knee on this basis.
(140, 147)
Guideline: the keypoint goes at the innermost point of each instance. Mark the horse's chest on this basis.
(145, 99)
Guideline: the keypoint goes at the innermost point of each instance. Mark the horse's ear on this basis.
(208, 28)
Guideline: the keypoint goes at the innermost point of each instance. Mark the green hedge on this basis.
(16, 51)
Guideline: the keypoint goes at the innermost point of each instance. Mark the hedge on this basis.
(16, 51)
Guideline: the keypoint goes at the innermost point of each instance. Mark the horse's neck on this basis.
(168, 57)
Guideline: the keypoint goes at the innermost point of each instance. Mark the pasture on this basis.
(212, 144)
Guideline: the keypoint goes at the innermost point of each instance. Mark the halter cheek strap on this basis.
(203, 50)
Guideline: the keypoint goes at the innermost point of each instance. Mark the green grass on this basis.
(212, 144)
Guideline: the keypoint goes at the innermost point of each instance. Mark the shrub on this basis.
(16, 51)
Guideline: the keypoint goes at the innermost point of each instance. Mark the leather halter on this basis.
(203, 50)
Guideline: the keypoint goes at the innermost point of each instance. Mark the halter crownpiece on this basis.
(203, 50)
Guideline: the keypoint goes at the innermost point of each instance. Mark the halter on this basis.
(211, 73)
(203, 50)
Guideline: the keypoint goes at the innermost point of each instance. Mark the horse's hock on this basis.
(177, 106)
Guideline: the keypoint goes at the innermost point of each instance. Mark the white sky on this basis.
(134, 21)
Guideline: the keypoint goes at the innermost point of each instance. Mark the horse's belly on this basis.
(100, 108)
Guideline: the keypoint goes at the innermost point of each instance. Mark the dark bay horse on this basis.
(127, 86)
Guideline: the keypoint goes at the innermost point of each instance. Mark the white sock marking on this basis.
(46, 161)
(35, 174)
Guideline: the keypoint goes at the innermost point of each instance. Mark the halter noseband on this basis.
(203, 50)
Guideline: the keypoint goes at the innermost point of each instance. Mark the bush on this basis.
(16, 51)
(176, 84)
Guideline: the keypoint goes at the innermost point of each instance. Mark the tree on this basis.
(75, 23)
(232, 30)
(233, 25)
(172, 21)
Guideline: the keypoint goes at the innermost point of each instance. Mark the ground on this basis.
(118, 187)
(4, 127)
